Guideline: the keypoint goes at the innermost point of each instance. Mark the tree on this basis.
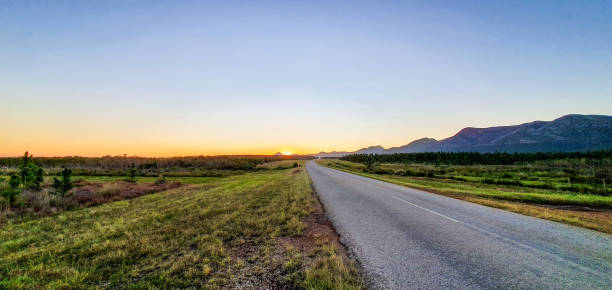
(14, 182)
(64, 185)
(24, 168)
(11, 193)
(132, 173)
(31, 175)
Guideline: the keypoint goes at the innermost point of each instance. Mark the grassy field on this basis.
(586, 210)
(139, 179)
(584, 176)
(283, 164)
(249, 230)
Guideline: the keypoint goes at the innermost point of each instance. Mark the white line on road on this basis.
(525, 246)
(429, 210)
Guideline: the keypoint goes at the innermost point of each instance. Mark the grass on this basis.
(585, 210)
(584, 176)
(139, 179)
(282, 164)
(218, 232)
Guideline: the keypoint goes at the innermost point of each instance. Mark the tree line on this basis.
(472, 158)
(128, 162)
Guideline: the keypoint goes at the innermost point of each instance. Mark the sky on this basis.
(174, 78)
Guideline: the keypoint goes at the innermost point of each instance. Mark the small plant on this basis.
(132, 173)
(10, 194)
(14, 182)
(295, 164)
(161, 179)
(64, 185)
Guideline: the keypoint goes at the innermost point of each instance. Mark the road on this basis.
(407, 238)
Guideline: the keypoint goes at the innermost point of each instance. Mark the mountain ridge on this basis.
(573, 132)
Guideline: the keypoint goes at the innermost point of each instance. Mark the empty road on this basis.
(408, 238)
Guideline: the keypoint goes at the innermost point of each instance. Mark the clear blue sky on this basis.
(195, 77)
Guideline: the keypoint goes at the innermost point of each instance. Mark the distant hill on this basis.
(420, 145)
(568, 133)
(369, 150)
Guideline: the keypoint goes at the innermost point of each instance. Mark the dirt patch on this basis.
(90, 194)
(318, 228)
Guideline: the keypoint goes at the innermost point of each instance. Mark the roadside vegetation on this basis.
(263, 228)
(564, 190)
(34, 187)
(574, 172)
(191, 166)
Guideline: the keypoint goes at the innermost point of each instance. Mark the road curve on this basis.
(408, 238)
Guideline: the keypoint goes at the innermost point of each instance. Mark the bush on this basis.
(161, 179)
(63, 186)
(10, 193)
(132, 173)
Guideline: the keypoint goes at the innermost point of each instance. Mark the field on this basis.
(263, 228)
(485, 184)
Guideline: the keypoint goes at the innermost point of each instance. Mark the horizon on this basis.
(282, 153)
(234, 78)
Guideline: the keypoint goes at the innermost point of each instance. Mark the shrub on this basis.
(132, 173)
(37, 201)
(10, 193)
(161, 179)
(63, 186)
(14, 182)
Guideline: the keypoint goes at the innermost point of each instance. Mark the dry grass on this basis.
(35, 204)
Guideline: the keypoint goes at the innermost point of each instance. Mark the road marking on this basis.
(428, 210)
(517, 243)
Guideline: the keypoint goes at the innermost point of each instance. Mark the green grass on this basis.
(282, 164)
(509, 193)
(573, 176)
(192, 236)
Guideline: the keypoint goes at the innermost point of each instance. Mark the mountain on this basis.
(568, 133)
(369, 150)
(420, 145)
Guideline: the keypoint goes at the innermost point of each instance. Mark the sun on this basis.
(287, 153)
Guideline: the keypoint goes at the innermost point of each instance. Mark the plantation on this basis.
(258, 228)
(578, 172)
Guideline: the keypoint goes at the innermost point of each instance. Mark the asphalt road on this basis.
(407, 238)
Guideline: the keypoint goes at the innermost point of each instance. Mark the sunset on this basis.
(161, 79)
(305, 144)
